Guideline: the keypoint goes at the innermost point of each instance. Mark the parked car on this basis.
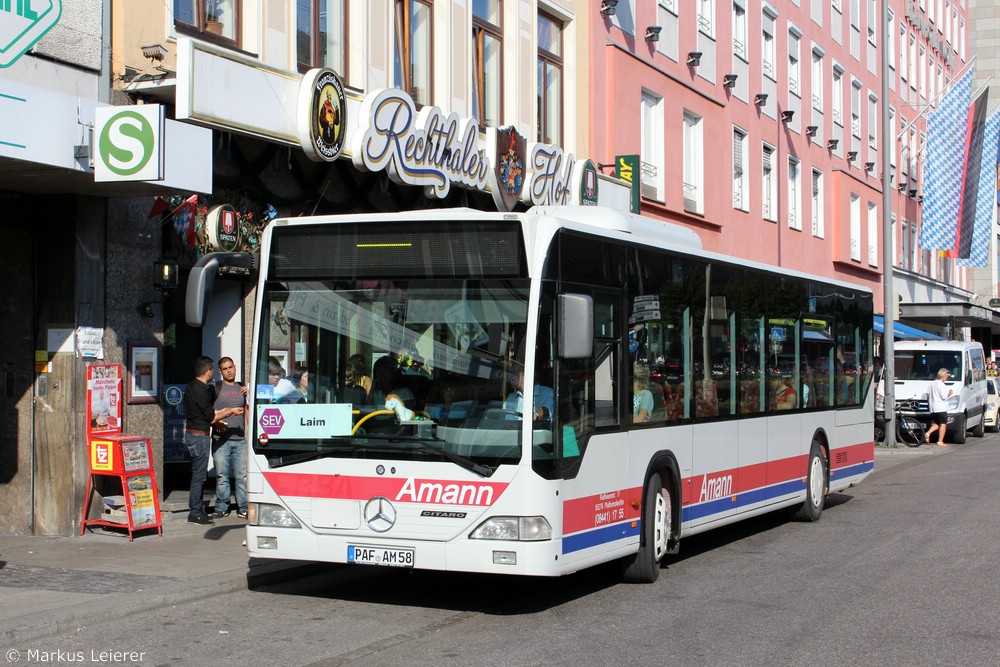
(992, 405)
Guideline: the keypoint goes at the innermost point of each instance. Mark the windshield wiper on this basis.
(292, 459)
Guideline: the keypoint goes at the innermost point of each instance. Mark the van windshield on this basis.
(925, 364)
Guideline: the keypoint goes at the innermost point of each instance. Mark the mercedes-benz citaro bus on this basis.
(536, 393)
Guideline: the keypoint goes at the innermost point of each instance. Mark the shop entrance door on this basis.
(17, 323)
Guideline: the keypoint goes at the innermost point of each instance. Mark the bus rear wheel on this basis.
(812, 508)
(643, 567)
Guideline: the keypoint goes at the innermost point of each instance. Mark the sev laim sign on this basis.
(430, 149)
(22, 23)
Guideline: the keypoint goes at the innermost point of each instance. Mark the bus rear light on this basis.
(263, 514)
(513, 529)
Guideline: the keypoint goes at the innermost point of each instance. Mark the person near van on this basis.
(938, 396)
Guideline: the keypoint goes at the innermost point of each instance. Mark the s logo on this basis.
(126, 143)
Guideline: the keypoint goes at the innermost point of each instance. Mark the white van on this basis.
(917, 364)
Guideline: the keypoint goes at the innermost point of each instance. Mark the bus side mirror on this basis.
(240, 265)
(576, 326)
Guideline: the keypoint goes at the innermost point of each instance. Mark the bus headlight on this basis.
(513, 529)
(263, 514)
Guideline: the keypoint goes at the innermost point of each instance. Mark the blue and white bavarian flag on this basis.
(947, 130)
(985, 195)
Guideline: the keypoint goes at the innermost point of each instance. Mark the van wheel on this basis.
(979, 430)
(643, 567)
(958, 434)
(812, 508)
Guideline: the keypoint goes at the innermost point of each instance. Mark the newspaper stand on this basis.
(129, 458)
(115, 454)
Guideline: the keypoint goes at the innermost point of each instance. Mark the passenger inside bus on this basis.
(783, 396)
(642, 397)
(284, 390)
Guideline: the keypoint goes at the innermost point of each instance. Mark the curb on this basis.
(54, 621)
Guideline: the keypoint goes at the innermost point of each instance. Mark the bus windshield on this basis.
(414, 369)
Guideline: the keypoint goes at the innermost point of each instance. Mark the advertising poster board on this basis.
(104, 399)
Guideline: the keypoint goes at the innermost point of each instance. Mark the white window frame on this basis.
(769, 183)
(794, 71)
(904, 251)
(767, 52)
(873, 121)
(837, 95)
(741, 175)
(740, 32)
(706, 17)
(872, 234)
(694, 163)
(794, 193)
(817, 204)
(652, 160)
(816, 85)
(856, 109)
(892, 40)
(855, 227)
(903, 36)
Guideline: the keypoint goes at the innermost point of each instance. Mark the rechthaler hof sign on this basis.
(22, 23)
(430, 149)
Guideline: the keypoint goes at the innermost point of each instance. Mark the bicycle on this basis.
(909, 431)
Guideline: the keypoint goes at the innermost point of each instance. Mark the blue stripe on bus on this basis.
(755, 496)
(619, 531)
(593, 538)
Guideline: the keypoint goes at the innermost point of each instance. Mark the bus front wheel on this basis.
(643, 567)
(816, 487)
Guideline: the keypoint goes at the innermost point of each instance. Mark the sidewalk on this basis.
(53, 584)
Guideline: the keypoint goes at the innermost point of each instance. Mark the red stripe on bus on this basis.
(400, 489)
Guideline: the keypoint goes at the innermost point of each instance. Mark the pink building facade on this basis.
(759, 124)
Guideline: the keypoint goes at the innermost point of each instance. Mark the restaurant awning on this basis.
(900, 330)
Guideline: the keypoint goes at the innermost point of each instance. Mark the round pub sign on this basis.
(322, 115)
(222, 228)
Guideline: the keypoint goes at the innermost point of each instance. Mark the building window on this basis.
(740, 175)
(652, 146)
(793, 65)
(904, 251)
(769, 185)
(873, 120)
(487, 40)
(922, 72)
(837, 97)
(892, 41)
(872, 234)
(215, 19)
(912, 69)
(739, 31)
(817, 81)
(855, 227)
(321, 35)
(767, 48)
(873, 22)
(794, 200)
(856, 109)
(817, 204)
(412, 62)
(549, 80)
(706, 17)
(902, 51)
(694, 191)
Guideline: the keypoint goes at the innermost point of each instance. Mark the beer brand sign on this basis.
(424, 148)
(507, 176)
(322, 115)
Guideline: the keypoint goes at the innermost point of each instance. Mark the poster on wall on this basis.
(104, 399)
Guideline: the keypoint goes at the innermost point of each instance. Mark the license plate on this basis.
(379, 556)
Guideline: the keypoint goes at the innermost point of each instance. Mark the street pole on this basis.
(888, 237)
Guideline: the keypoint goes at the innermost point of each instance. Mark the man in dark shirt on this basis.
(199, 400)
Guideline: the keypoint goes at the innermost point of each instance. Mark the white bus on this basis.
(673, 390)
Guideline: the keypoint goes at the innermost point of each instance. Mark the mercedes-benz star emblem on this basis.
(380, 514)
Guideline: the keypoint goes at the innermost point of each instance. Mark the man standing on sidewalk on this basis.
(199, 398)
(230, 447)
